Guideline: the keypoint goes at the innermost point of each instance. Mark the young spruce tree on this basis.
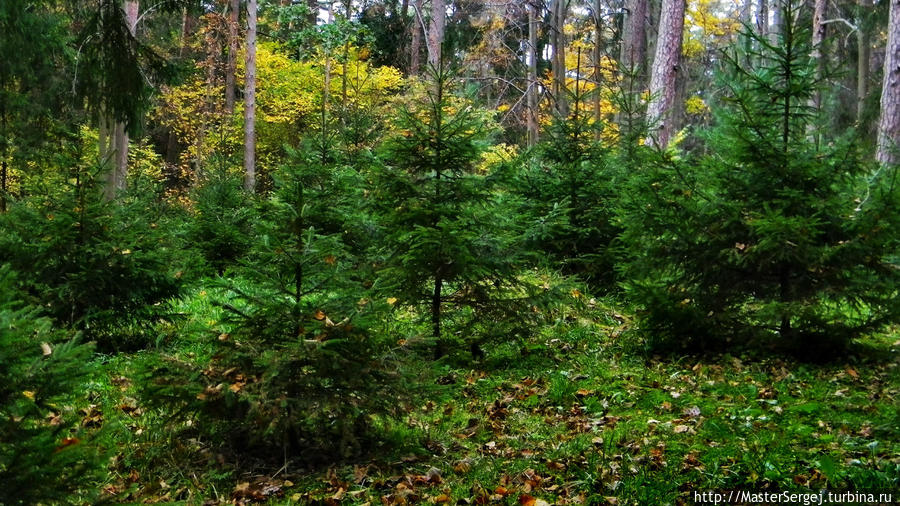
(568, 189)
(446, 251)
(44, 458)
(773, 234)
(301, 370)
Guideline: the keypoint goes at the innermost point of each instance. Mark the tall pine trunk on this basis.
(634, 40)
(663, 88)
(436, 32)
(889, 125)
(250, 101)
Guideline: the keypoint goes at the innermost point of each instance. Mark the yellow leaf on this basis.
(392, 300)
(29, 394)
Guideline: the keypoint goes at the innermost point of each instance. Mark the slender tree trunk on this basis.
(404, 10)
(436, 32)
(663, 88)
(250, 101)
(440, 348)
(762, 18)
(777, 8)
(532, 119)
(4, 150)
(889, 126)
(231, 65)
(746, 12)
(187, 27)
(415, 47)
(863, 40)
(818, 39)
(598, 40)
(348, 13)
(558, 37)
(634, 40)
(115, 156)
(313, 17)
(326, 95)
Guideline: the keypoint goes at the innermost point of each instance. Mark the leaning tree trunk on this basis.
(889, 126)
(663, 89)
(436, 32)
(250, 101)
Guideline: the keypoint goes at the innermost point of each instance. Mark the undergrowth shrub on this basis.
(95, 265)
(302, 371)
(44, 455)
(780, 233)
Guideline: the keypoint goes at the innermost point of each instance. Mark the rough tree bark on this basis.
(818, 38)
(634, 39)
(415, 46)
(250, 101)
(663, 89)
(436, 32)
(889, 125)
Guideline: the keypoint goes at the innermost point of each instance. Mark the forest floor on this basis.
(573, 416)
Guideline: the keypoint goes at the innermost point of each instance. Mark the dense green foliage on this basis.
(773, 231)
(446, 245)
(93, 265)
(42, 454)
(569, 193)
(415, 304)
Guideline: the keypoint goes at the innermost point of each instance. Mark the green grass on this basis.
(573, 416)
